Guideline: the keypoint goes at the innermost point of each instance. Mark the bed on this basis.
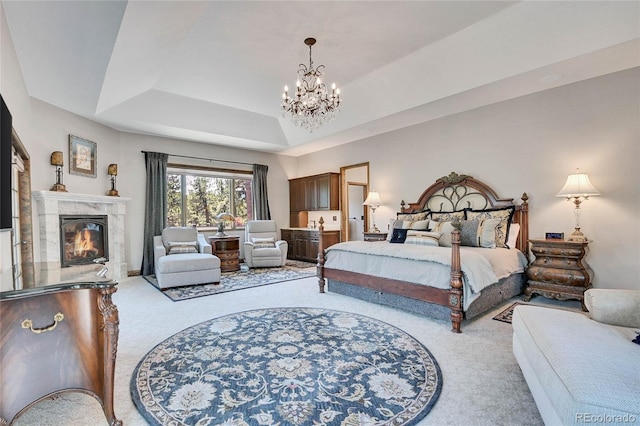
(459, 276)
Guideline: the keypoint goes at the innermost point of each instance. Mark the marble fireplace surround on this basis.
(49, 205)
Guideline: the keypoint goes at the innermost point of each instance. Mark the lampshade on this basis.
(225, 216)
(578, 185)
(373, 199)
(57, 158)
(112, 170)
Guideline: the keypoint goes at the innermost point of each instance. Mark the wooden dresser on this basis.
(559, 270)
(58, 338)
(227, 249)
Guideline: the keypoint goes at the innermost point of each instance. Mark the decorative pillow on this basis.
(267, 242)
(398, 224)
(479, 233)
(420, 224)
(447, 216)
(413, 216)
(514, 231)
(505, 214)
(445, 228)
(178, 247)
(398, 235)
(423, 238)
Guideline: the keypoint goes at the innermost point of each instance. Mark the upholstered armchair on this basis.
(261, 245)
(183, 257)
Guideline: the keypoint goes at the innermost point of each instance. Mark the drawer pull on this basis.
(56, 319)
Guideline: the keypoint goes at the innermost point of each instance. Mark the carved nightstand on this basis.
(559, 270)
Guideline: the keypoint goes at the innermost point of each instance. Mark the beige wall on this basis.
(527, 144)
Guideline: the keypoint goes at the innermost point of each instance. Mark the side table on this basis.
(375, 236)
(227, 249)
(559, 270)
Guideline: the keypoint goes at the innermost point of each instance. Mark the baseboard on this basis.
(133, 273)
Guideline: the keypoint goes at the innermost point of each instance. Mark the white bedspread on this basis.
(426, 265)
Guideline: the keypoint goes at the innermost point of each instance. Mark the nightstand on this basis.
(559, 270)
(227, 249)
(375, 236)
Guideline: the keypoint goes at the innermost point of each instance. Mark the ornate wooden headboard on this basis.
(457, 192)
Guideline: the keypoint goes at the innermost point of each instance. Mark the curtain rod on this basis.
(202, 158)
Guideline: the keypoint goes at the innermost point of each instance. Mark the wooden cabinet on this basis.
(313, 193)
(227, 249)
(56, 339)
(287, 235)
(304, 244)
(559, 270)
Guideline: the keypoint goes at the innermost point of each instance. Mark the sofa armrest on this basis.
(203, 245)
(158, 249)
(614, 306)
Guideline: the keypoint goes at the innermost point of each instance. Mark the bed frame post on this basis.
(320, 264)
(523, 243)
(455, 293)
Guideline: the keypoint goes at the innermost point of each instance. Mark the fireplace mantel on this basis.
(49, 205)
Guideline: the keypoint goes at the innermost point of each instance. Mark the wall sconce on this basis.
(57, 159)
(222, 218)
(577, 188)
(112, 171)
(373, 201)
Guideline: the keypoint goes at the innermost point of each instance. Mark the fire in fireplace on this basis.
(83, 239)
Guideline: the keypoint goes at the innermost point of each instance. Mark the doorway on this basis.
(354, 186)
(355, 210)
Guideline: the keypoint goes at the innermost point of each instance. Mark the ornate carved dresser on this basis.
(559, 270)
(60, 336)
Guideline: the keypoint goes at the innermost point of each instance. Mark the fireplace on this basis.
(83, 238)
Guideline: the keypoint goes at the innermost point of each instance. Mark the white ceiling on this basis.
(213, 71)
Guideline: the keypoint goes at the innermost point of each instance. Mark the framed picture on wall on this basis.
(83, 156)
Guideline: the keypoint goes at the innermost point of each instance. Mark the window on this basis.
(197, 198)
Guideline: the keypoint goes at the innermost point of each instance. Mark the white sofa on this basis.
(183, 267)
(582, 368)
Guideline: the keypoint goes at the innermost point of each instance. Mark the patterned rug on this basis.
(287, 366)
(505, 316)
(238, 280)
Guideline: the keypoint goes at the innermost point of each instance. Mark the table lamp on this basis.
(577, 188)
(373, 201)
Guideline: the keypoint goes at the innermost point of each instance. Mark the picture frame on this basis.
(83, 156)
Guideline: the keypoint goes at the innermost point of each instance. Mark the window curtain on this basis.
(260, 195)
(155, 205)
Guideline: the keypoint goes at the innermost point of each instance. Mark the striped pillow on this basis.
(179, 247)
(422, 238)
(479, 233)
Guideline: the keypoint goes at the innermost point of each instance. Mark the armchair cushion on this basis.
(614, 306)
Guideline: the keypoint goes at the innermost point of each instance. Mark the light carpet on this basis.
(237, 280)
(287, 366)
(483, 384)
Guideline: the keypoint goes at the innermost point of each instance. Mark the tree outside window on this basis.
(197, 200)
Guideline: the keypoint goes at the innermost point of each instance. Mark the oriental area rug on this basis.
(287, 366)
(238, 280)
(507, 314)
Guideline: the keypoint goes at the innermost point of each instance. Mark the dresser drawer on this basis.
(232, 255)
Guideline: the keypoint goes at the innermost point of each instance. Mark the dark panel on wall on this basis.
(5, 166)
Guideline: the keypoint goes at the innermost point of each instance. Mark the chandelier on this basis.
(311, 106)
